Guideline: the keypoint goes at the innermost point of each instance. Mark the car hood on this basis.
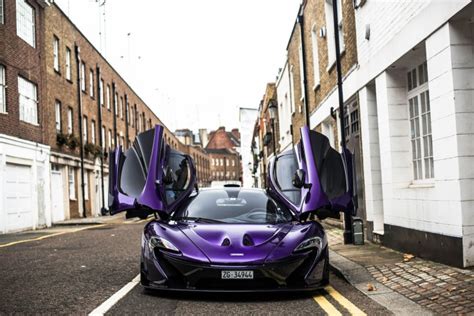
(236, 243)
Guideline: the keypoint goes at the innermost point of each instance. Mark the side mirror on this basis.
(299, 178)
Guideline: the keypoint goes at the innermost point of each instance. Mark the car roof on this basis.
(233, 189)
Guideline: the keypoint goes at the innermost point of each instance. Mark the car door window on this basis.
(285, 168)
(180, 172)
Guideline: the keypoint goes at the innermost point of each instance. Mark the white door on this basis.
(18, 200)
(57, 196)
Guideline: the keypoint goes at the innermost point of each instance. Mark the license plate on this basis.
(246, 274)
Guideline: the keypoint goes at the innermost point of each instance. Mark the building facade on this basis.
(59, 96)
(407, 70)
(223, 148)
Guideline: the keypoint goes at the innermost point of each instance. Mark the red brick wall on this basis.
(21, 59)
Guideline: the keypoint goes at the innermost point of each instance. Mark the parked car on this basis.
(232, 238)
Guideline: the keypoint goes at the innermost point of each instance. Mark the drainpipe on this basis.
(81, 140)
(303, 57)
(101, 141)
(347, 213)
(126, 120)
(114, 111)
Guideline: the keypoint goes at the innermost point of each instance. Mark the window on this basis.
(57, 107)
(86, 185)
(28, 101)
(25, 22)
(91, 83)
(101, 95)
(92, 131)
(102, 132)
(330, 30)
(292, 91)
(68, 63)
(69, 121)
(227, 162)
(128, 114)
(72, 183)
(1, 12)
(83, 77)
(420, 123)
(302, 87)
(56, 53)
(121, 108)
(107, 97)
(3, 99)
(222, 162)
(233, 163)
(109, 136)
(314, 41)
(116, 104)
(84, 129)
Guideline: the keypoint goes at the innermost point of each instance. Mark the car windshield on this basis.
(234, 206)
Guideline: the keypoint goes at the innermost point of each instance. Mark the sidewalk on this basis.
(96, 220)
(401, 282)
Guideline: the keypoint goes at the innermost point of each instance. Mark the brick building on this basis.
(59, 95)
(407, 83)
(223, 148)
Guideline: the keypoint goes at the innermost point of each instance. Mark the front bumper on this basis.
(305, 272)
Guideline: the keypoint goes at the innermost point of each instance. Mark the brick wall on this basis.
(21, 59)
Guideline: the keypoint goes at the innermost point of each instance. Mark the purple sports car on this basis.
(231, 238)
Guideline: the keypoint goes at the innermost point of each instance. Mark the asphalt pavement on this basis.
(78, 269)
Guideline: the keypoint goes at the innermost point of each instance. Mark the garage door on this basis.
(18, 201)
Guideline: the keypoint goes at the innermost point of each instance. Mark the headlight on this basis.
(313, 242)
(162, 243)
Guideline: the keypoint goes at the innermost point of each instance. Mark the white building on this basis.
(414, 87)
(247, 118)
(286, 107)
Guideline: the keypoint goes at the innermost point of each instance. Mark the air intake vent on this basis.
(248, 241)
(225, 242)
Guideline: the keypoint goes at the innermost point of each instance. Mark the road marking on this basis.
(111, 301)
(326, 305)
(354, 310)
(48, 236)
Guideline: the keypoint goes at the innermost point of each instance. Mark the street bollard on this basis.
(357, 231)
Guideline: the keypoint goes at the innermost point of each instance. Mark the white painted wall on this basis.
(36, 156)
(247, 119)
(284, 107)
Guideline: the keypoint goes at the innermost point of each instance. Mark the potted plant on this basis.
(72, 142)
(61, 139)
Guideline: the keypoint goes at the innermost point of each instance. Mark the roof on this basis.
(221, 151)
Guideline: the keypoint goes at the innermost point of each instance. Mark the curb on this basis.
(88, 221)
(358, 276)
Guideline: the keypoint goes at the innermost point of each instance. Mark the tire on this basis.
(325, 280)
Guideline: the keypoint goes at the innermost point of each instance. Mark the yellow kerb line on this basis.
(354, 310)
(326, 305)
(48, 236)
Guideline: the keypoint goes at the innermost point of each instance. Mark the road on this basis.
(74, 271)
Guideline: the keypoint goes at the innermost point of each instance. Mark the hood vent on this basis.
(248, 241)
(225, 242)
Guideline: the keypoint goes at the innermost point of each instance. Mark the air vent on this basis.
(247, 240)
(225, 242)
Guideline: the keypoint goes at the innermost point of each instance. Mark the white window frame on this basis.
(101, 96)
(3, 85)
(292, 90)
(85, 134)
(83, 77)
(68, 64)
(93, 132)
(109, 135)
(328, 9)
(71, 183)
(102, 131)
(28, 101)
(107, 97)
(2, 12)
(419, 114)
(25, 22)
(314, 46)
(116, 104)
(70, 121)
(57, 110)
(91, 83)
(56, 53)
(121, 107)
(300, 60)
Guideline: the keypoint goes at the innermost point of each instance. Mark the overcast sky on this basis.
(194, 62)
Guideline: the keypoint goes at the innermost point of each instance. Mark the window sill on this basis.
(57, 72)
(69, 80)
(4, 113)
(421, 184)
(332, 63)
(316, 86)
(72, 199)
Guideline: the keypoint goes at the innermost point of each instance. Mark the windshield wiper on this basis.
(199, 220)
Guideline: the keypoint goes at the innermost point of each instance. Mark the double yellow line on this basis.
(48, 236)
(330, 309)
